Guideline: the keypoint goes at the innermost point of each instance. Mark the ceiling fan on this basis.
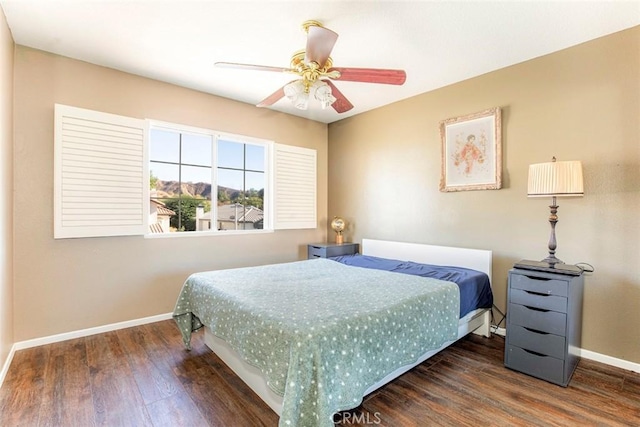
(316, 71)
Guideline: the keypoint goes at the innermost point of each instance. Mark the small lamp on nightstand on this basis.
(338, 225)
(555, 179)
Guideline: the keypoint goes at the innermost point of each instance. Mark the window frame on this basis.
(84, 187)
(268, 201)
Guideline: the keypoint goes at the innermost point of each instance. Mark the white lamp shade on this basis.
(558, 179)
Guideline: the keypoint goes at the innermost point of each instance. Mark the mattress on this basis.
(474, 286)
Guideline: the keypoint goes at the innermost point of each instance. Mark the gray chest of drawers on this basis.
(544, 324)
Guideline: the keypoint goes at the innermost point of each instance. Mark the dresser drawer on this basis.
(540, 285)
(540, 320)
(540, 342)
(534, 299)
(540, 366)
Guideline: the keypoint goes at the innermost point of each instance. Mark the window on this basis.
(117, 176)
(204, 181)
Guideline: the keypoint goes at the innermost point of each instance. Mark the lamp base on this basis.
(339, 239)
(559, 267)
(552, 260)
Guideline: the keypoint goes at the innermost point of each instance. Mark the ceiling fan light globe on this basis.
(293, 89)
(301, 101)
(323, 94)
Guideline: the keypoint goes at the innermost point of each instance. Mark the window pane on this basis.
(231, 179)
(254, 194)
(230, 154)
(255, 157)
(164, 146)
(166, 179)
(196, 175)
(196, 149)
(254, 180)
(182, 215)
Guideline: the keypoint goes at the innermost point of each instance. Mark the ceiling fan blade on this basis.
(273, 98)
(341, 104)
(371, 75)
(251, 67)
(320, 42)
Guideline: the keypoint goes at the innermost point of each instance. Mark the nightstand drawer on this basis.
(316, 252)
(539, 285)
(537, 300)
(540, 320)
(540, 366)
(540, 342)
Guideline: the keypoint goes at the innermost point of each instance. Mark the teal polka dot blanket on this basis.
(321, 332)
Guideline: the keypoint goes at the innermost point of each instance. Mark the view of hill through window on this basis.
(183, 168)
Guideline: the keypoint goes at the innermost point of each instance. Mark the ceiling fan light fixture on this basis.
(302, 101)
(296, 93)
(323, 94)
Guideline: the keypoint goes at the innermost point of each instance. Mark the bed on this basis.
(323, 362)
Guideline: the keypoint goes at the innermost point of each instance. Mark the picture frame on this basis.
(472, 151)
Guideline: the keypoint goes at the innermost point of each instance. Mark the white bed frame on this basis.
(478, 321)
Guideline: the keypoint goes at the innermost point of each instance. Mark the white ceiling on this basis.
(437, 42)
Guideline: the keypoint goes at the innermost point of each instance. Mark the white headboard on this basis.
(476, 259)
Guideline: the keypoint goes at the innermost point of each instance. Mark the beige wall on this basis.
(71, 284)
(582, 103)
(6, 189)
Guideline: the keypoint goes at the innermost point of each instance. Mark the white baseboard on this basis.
(7, 363)
(90, 331)
(21, 345)
(608, 360)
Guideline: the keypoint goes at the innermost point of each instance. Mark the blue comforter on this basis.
(475, 289)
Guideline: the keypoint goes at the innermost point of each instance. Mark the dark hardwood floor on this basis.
(142, 376)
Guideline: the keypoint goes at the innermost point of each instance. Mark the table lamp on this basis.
(338, 225)
(555, 179)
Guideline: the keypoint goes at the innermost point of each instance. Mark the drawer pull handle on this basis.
(315, 247)
(543, 279)
(316, 256)
(535, 353)
(539, 294)
(537, 309)
(535, 331)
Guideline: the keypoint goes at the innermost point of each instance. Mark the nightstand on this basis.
(325, 250)
(544, 323)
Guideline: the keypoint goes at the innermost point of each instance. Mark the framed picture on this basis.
(472, 152)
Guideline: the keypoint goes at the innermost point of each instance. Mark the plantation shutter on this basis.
(294, 187)
(101, 177)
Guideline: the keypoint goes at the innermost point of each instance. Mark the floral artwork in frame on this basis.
(472, 152)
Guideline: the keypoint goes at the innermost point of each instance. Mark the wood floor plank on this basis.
(116, 398)
(151, 372)
(22, 390)
(66, 396)
(175, 410)
(258, 411)
(143, 376)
